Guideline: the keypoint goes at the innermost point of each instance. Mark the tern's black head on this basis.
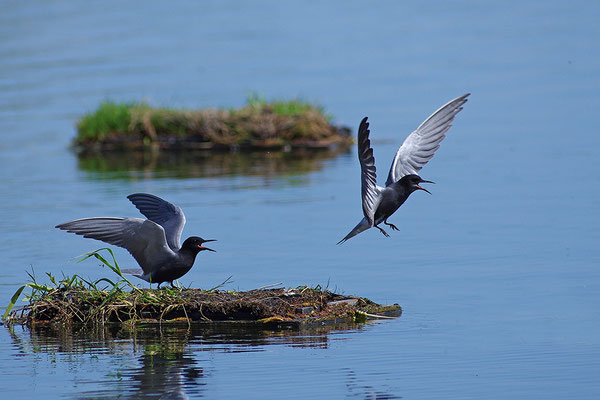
(411, 182)
(195, 244)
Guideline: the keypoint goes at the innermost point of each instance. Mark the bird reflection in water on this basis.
(168, 372)
(157, 362)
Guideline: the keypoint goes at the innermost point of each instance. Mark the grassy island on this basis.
(257, 125)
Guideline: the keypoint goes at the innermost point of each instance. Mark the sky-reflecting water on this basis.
(497, 272)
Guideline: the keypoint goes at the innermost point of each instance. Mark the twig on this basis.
(268, 286)
(187, 319)
(375, 315)
(226, 281)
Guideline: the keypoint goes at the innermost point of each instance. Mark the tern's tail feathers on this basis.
(363, 225)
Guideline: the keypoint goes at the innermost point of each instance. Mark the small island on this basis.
(74, 300)
(276, 125)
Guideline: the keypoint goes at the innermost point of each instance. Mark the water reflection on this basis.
(197, 164)
(358, 390)
(169, 376)
(165, 362)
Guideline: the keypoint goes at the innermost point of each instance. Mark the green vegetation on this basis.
(108, 118)
(75, 282)
(75, 300)
(291, 108)
(259, 124)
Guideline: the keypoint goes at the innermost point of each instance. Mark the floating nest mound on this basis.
(280, 307)
(259, 125)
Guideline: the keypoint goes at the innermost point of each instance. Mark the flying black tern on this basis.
(154, 242)
(380, 203)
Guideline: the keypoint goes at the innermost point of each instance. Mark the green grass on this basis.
(294, 107)
(110, 117)
(39, 291)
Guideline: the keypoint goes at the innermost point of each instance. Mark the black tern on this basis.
(380, 203)
(154, 242)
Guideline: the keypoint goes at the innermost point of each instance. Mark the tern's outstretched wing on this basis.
(144, 239)
(420, 146)
(167, 215)
(369, 188)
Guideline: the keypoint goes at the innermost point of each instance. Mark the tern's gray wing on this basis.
(167, 215)
(420, 146)
(144, 239)
(369, 189)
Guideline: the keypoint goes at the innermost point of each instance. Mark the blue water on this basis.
(497, 271)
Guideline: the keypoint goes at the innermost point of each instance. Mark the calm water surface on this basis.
(497, 272)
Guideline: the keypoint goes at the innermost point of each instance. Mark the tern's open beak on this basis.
(422, 188)
(201, 247)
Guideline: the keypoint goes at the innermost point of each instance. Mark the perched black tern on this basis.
(154, 242)
(380, 203)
